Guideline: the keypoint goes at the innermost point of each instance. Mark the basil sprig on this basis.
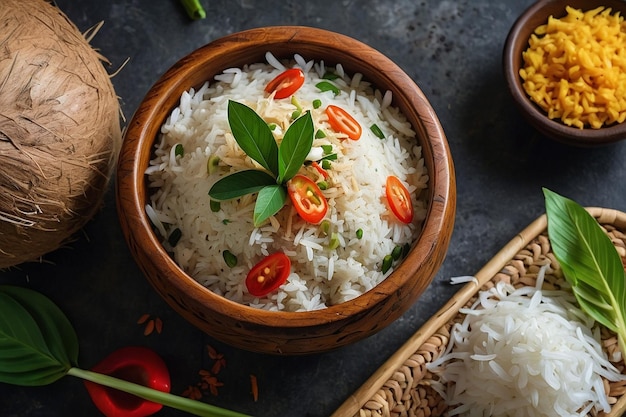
(589, 261)
(38, 346)
(281, 163)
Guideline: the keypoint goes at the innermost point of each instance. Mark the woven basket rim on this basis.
(383, 376)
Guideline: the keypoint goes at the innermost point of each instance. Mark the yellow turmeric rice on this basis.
(575, 68)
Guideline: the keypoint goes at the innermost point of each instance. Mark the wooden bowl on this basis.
(517, 42)
(258, 330)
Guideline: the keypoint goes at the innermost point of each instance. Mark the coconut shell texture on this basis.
(60, 131)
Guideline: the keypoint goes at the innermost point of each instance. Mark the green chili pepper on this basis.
(317, 103)
(323, 185)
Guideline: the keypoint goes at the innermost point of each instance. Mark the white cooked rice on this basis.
(356, 196)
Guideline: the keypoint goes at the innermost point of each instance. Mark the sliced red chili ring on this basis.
(399, 199)
(307, 198)
(269, 274)
(341, 121)
(286, 83)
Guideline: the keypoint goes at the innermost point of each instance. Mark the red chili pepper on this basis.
(307, 198)
(269, 274)
(399, 199)
(341, 121)
(286, 83)
(134, 364)
(319, 169)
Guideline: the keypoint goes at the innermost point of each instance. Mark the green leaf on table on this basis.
(589, 261)
(253, 135)
(38, 344)
(240, 183)
(294, 148)
(269, 201)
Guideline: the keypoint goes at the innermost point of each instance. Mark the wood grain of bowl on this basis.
(517, 42)
(287, 333)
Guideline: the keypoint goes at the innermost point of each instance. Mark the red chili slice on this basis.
(286, 83)
(319, 169)
(399, 199)
(341, 121)
(269, 274)
(307, 198)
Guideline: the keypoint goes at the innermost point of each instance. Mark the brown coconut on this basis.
(60, 130)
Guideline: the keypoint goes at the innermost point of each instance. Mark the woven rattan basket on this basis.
(401, 386)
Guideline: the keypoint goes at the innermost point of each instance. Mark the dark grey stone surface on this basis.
(452, 49)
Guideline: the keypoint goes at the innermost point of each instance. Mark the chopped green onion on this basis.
(325, 226)
(272, 126)
(334, 241)
(387, 261)
(323, 185)
(229, 258)
(359, 233)
(174, 237)
(298, 112)
(328, 86)
(317, 103)
(215, 206)
(396, 253)
(179, 150)
(212, 164)
(226, 221)
(376, 130)
(194, 9)
(327, 149)
(320, 134)
(330, 76)
(325, 164)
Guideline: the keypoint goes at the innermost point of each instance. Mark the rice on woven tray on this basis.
(356, 194)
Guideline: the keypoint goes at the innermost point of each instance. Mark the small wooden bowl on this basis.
(285, 332)
(517, 42)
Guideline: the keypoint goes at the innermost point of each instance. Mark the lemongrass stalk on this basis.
(170, 400)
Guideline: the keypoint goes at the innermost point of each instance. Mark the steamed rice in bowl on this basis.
(359, 220)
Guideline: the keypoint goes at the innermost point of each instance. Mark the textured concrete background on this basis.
(452, 49)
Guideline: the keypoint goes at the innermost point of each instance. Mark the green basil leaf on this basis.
(269, 201)
(589, 261)
(38, 345)
(240, 183)
(294, 148)
(253, 135)
(328, 86)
